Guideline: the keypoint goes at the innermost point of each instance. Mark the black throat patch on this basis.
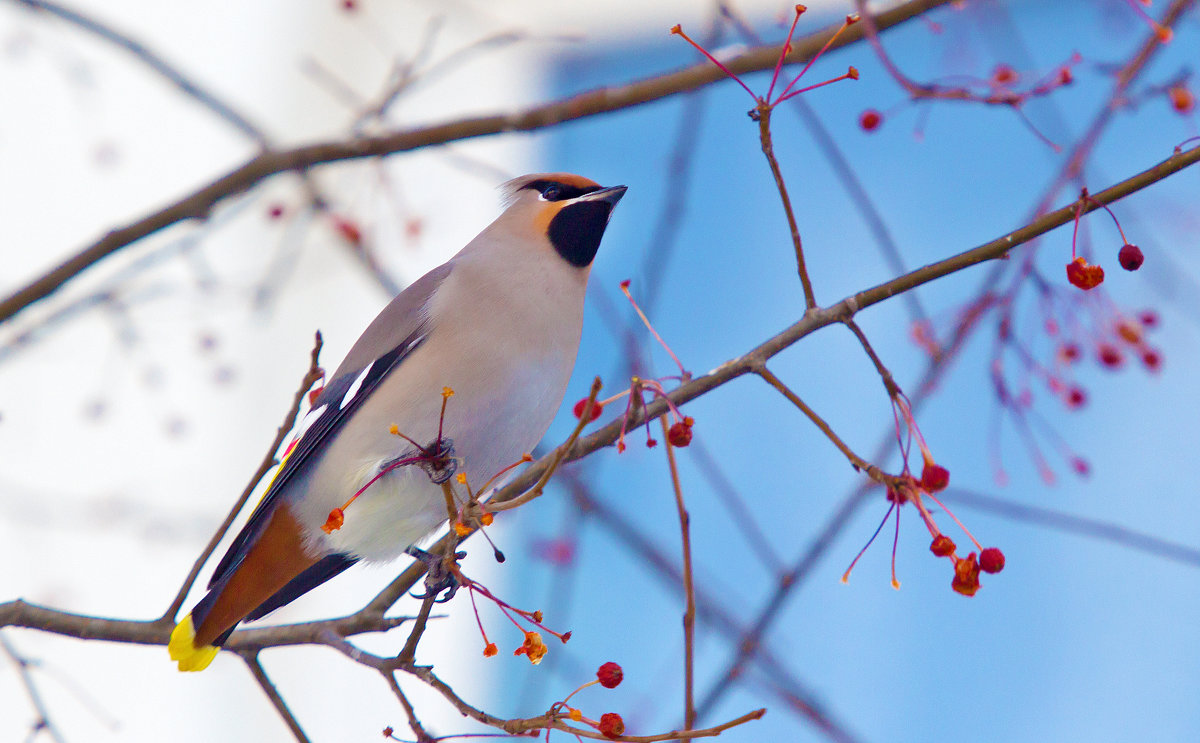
(576, 230)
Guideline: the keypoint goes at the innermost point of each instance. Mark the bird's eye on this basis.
(552, 193)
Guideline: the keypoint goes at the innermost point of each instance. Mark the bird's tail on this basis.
(264, 570)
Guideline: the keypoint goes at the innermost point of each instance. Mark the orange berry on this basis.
(942, 546)
(1084, 276)
(1181, 98)
(966, 576)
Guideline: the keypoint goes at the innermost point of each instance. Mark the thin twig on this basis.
(689, 587)
(409, 653)
(310, 377)
(268, 687)
(414, 723)
(763, 111)
(43, 723)
(885, 375)
(858, 462)
(532, 725)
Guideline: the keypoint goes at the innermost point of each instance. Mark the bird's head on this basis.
(567, 210)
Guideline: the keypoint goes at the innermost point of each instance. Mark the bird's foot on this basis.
(439, 577)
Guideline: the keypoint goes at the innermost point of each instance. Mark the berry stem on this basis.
(763, 111)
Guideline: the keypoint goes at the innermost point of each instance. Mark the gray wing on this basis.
(396, 323)
(395, 333)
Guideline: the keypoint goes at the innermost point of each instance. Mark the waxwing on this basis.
(499, 326)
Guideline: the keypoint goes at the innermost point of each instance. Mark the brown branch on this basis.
(268, 687)
(885, 375)
(673, 735)
(409, 653)
(531, 726)
(414, 723)
(310, 377)
(856, 461)
(763, 112)
(200, 203)
(689, 586)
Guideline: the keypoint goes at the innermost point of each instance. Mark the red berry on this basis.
(610, 675)
(1110, 356)
(943, 546)
(1130, 257)
(611, 725)
(1069, 353)
(934, 478)
(991, 560)
(1152, 359)
(680, 432)
(870, 120)
(1076, 397)
(597, 408)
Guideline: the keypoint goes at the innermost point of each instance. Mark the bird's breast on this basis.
(507, 369)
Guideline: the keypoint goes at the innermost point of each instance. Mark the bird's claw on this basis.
(438, 577)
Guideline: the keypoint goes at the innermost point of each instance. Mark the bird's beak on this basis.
(610, 195)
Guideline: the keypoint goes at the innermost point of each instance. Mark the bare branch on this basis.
(268, 687)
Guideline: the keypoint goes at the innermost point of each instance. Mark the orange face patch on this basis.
(545, 214)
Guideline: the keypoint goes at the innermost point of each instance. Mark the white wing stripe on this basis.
(350, 393)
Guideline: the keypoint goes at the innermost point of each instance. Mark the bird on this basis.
(498, 327)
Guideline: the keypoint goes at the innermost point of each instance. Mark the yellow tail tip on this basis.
(184, 651)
